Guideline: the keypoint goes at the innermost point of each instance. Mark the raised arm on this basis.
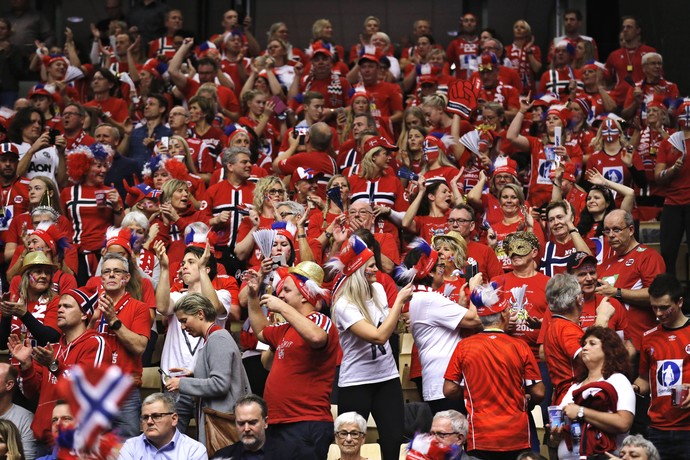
(513, 135)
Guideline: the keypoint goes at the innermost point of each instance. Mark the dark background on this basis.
(665, 24)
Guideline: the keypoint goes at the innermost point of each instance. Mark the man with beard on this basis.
(251, 421)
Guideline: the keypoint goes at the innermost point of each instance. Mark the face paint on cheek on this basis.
(32, 278)
(610, 133)
(370, 272)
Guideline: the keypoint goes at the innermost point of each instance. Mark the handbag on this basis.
(221, 430)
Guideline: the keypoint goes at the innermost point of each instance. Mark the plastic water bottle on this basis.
(575, 431)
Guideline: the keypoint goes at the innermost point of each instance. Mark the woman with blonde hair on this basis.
(452, 250)
(413, 117)
(11, 447)
(368, 381)
(269, 191)
(524, 55)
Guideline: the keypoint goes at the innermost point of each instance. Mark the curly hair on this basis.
(616, 358)
(261, 191)
(587, 219)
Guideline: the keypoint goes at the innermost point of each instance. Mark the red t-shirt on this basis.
(15, 202)
(634, 270)
(226, 97)
(561, 347)
(320, 162)
(299, 385)
(498, 420)
(461, 52)
(114, 106)
(80, 139)
(625, 62)
(613, 169)
(540, 184)
(520, 61)
(428, 226)
(534, 304)
(386, 98)
(135, 317)
(665, 361)
(485, 259)
(678, 190)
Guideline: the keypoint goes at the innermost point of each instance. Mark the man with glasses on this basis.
(160, 437)
(450, 429)
(628, 272)
(125, 324)
(200, 152)
(72, 123)
(251, 420)
(461, 219)
(360, 215)
(653, 87)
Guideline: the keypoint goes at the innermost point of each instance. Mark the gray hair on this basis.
(135, 217)
(490, 320)
(230, 155)
(350, 417)
(627, 217)
(40, 210)
(114, 256)
(165, 398)
(637, 440)
(457, 420)
(191, 304)
(113, 130)
(295, 207)
(648, 56)
(320, 136)
(562, 291)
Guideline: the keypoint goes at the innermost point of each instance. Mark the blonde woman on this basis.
(368, 381)
(11, 447)
(452, 250)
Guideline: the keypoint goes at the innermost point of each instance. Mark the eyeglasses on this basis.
(353, 434)
(459, 221)
(285, 214)
(70, 114)
(156, 417)
(362, 213)
(442, 435)
(614, 230)
(276, 191)
(113, 271)
(486, 68)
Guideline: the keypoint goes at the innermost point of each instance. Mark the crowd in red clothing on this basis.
(506, 163)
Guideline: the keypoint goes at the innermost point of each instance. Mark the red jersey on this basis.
(678, 190)
(88, 350)
(203, 157)
(80, 139)
(498, 420)
(115, 107)
(625, 62)
(540, 184)
(463, 53)
(335, 89)
(647, 149)
(557, 80)
(215, 139)
(634, 270)
(224, 196)
(554, 260)
(520, 61)
(44, 310)
(319, 162)
(226, 97)
(299, 385)
(61, 282)
(428, 226)
(665, 362)
(163, 47)
(613, 169)
(506, 95)
(349, 155)
(386, 98)
(15, 201)
(89, 222)
(534, 304)
(561, 347)
(135, 317)
(662, 91)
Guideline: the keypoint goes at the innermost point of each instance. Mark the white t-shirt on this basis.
(44, 162)
(626, 401)
(181, 349)
(363, 362)
(434, 320)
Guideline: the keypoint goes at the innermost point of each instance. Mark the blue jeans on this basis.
(672, 444)
(128, 423)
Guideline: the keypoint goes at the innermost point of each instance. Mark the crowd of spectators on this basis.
(158, 187)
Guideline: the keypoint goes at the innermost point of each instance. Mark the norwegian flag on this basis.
(95, 396)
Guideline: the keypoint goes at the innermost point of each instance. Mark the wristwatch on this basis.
(619, 294)
(53, 367)
(117, 324)
(581, 413)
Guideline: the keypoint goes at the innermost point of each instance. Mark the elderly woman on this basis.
(34, 310)
(350, 431)
(160, 169)
(369, 381)
(218, 378)
(636, 447)
(90, 205)
(602, 401)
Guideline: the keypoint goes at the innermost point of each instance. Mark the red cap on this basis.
(505, 170)
(319, 47)
(354, 255)
(561, 112)
(119, 236)
(378, 141)
(569, 172)
(8, 148)
(369, 57)
(50, 234)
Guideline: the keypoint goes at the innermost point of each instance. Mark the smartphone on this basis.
(278, 261)
(280, 106)
(165, 140)
(470, 271)
(52, 134)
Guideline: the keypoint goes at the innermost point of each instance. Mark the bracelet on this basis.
(302, 236)
(328, 234)
(573, 230)
(118, 211)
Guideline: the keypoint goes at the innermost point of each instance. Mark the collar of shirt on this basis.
(169, 446)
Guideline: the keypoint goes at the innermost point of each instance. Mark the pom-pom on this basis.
(485, 295)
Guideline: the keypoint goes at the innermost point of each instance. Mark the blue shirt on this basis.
(180, 447)
(137, 150)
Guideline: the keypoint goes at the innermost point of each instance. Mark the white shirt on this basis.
(44, 162)
(434, 320)
(363, 362)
